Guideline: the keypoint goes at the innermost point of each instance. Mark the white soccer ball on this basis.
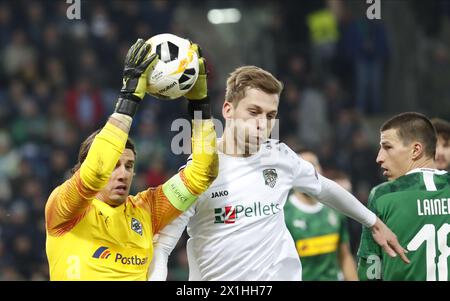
(177, 69)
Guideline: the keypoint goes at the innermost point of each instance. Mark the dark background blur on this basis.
(343, 73)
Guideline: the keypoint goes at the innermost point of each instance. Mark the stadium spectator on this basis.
(443, 143)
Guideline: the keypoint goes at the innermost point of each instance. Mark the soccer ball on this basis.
(177, 69)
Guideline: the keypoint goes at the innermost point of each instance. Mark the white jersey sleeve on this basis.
(164, 243)
(340, 199)
(307, 180)
(305, 176)
(166, 240)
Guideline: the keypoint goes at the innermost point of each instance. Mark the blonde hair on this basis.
(250, 77)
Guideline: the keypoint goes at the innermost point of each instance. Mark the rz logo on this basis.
(226, 215)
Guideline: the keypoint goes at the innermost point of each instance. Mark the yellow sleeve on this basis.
(162, 211)
(69, 202)
(67, 205)
(205, 162)
(183, 189)
(102, 157)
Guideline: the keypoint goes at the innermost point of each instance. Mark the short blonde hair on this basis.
(250, 77)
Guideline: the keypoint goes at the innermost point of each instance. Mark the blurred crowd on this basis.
(59, 80)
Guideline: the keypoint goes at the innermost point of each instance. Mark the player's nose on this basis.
(123, 173)
(261, 124)
(380, 158)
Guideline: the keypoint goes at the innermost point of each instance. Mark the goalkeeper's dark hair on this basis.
(86, 146)
(442, 128)
(412, 126)
(250, 77)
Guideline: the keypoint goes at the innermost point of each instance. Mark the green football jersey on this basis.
(416, 207)
(318, 232)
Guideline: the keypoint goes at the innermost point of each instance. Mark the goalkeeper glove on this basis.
(197, 97)
(135, 74)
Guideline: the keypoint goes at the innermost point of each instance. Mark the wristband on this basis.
(199, 105)
(128, 105)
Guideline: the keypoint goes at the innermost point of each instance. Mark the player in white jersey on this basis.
(236, 228)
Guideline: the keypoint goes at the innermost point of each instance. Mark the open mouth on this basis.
(121, 189)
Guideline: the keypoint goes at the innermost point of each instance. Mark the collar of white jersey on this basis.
(431, 170)
(305, 207)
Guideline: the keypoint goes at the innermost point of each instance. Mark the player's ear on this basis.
(417, 150)
(227, 110)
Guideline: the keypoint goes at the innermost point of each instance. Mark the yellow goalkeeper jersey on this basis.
(90, 240)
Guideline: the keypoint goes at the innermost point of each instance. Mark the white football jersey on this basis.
(237, 229)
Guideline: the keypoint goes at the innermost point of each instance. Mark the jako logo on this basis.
(102, 253)
(217, 194)
(229, 214)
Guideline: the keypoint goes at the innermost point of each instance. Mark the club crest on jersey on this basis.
(270, 177)
(136, 226)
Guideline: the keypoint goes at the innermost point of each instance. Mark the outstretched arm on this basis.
(340, 199)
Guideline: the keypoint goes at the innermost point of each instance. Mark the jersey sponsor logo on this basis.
(105, 253)
(270, 177)
(132, 260)
(102, 253)
(317, 245)
(226, 215)
(136, 226)
(217, 194)
(229, 214)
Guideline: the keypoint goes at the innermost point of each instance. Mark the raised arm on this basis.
(204, 166)
(183, 189)
(176, 195)
(69, 202)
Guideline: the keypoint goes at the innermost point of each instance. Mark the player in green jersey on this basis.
(320, 234)
(415, 204)
(443, 143)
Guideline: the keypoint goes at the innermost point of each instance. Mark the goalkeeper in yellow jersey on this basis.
(95, 230)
